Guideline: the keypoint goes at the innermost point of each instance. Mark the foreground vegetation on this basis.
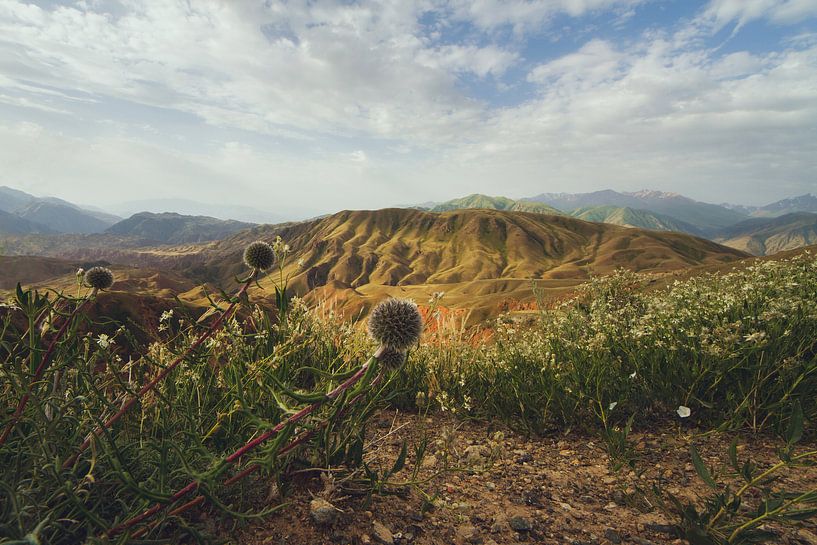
(733, 351)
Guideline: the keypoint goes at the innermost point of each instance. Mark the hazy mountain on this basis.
(766, 236)
(703, 216)
(53, 213)
(631, 217)
(172, 228)
(494, 203)
(11, 224)
(803, 203)
(275, 214)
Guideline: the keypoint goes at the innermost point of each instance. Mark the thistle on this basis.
(259, 256)
(392, 359)
(396, 324)
(99, 278)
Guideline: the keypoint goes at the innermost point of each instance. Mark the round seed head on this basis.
(392, 359)
(100, 278)
(396, 324)
(259, 255)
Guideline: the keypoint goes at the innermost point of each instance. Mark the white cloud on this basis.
(723, 12)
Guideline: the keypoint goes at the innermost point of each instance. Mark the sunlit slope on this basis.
(479, 257)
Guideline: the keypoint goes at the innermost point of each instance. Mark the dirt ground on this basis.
(492, 486)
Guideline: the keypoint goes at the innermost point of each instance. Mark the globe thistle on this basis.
(392, 359)
(99, 278)
(259, 256)
(396, 324)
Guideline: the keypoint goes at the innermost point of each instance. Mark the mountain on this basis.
(482, 259)
(494, 203)
(703, 216)
(803, 203)
(54, 214)
(172, 228)
(631, 217)
(766, 236)
(274, 214)
(11, 224)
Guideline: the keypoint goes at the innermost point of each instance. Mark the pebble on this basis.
(381, 534)
(322, 512)
(520, 524)
(612, 536)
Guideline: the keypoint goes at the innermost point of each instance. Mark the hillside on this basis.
(171, 228)
(803, 203)
(766, 236)
(494, 203)
(631, 217)
(54, 214)
(11, 224)
(703, 216)
(482, 259)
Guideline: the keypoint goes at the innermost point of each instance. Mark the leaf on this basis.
(733, 455)
(401, 460)
(795, 430)
(701, 468)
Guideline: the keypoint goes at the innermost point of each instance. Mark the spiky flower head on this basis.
(100, 278)
(392, 359)
(396, 324)
(259, 256)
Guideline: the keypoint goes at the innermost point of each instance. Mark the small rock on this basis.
(475, 454)
(468, 534)
(490, 486)
(612, 535)
(520, 524)
(322, 512)
(381, 534)
(524, 457)
(429, 462)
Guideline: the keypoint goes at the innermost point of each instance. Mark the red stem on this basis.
(38, 373)
(152, 384)
(250, 445)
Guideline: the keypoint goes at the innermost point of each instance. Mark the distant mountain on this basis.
(494, 203)
(54, 214)
(703, 216)
(11, 224)
(803, 203)
(172, 228)
(275, 214)
(766, 236)
(631, 217)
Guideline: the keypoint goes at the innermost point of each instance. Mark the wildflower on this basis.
(99, 278)
(683, 411)
(633, 375)
(396, 324)
(612, 405)
(259, 256)
(104, 341)
(392, 359)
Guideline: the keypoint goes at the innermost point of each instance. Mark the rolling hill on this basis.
(631, 217)
(495, 203)
(766, 236)
(55, 214)
(706, 217)
(11, 224)
(171, 228)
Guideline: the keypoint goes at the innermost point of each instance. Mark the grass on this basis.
(739, 350)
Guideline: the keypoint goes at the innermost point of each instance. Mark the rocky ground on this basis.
(491, 486)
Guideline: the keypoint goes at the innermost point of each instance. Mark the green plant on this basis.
(739, 514)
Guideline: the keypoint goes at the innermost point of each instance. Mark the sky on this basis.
(306, 107)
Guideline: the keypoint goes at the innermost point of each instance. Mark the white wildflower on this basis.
(683, 411)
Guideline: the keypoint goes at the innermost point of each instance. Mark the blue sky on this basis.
(307, 107)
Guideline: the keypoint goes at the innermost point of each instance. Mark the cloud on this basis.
(724, 12)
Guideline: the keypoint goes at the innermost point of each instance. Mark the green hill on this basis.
(632, 217)
(172, 228)
(495, 203)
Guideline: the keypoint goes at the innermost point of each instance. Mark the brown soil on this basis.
(493, 486)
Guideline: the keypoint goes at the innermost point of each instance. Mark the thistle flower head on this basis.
(392, 359)
(100, 278)
(259, 256)
(396, 324)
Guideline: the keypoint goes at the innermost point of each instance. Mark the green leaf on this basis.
(733, 455)
(701, 468)
(401, 460)
(795, 430)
